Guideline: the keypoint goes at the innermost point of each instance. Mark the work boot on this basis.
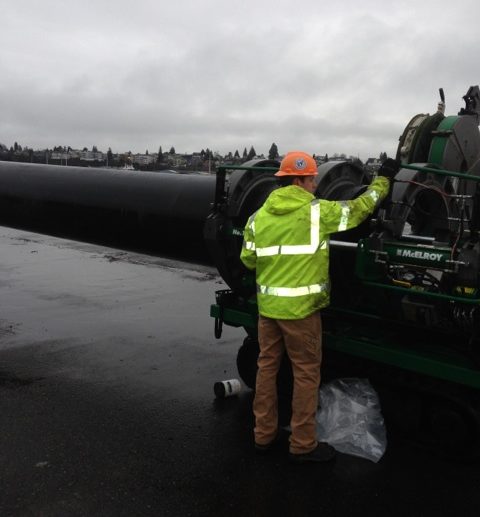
(263, 449)
(266, 448)
(321, 454)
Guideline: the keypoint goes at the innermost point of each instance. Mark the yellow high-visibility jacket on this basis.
(287, 242)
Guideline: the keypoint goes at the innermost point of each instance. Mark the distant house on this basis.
(176, 160)
(373, 163)
(92, 156)
(59, 155)
(144, 159)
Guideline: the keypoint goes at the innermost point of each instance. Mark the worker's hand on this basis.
(389, 168)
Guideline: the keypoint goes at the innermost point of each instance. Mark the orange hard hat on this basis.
(297, 163)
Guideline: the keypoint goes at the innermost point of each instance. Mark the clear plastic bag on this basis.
(350, 419)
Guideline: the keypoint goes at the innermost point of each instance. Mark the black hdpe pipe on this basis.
(153, 212)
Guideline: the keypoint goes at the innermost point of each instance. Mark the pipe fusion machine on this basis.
(405, 285)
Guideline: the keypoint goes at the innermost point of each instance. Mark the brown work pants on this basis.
(302, 341)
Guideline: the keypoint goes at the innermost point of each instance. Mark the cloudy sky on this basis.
(134, 75)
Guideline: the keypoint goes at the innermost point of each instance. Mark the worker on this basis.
(287, 242)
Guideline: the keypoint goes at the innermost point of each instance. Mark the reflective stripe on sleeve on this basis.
(268, 252)
(343, 225)
(374, 195)
(251, 223)
(292, 291)
(249, 245)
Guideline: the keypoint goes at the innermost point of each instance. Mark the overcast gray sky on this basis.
(134, 75)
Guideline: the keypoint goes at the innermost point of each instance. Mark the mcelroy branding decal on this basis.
(420, 255)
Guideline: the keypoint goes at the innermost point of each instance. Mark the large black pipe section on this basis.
(159, 213)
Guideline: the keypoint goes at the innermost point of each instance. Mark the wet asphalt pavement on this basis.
(107, 365)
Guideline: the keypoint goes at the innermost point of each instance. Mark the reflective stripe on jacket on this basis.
(287, 242)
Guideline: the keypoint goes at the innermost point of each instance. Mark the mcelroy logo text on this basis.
(420, 255)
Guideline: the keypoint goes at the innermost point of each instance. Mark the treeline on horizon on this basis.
(205, 160)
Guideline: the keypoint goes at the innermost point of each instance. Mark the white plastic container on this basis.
(227, 388)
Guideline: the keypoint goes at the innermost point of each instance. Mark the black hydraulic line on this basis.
(155, 212)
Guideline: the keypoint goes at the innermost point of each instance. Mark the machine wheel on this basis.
(247, 361)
